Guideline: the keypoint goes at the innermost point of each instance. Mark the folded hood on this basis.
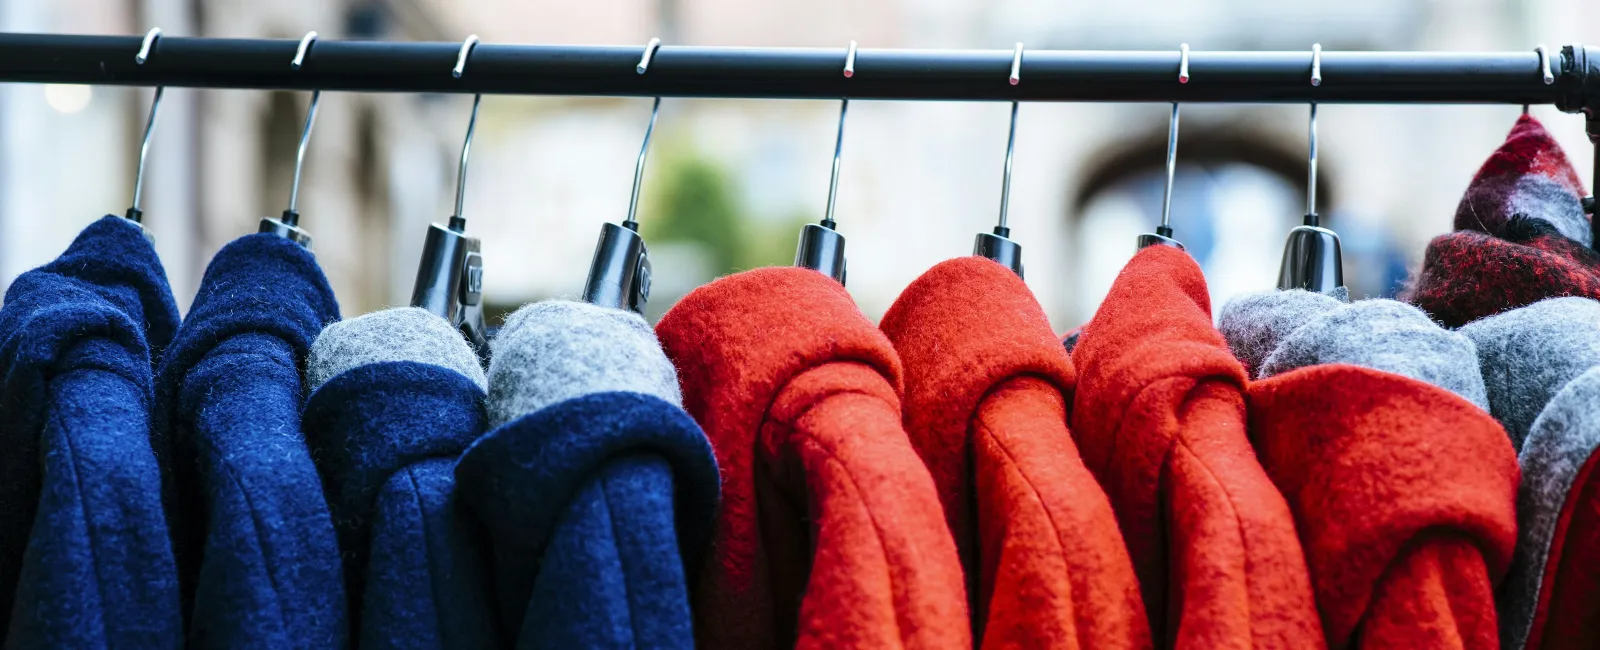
(1159, 417)
(597, 491)
(987, 388)
(389, 390)
(830, 532)
(254, 534)
(80, 506)
(1542, 367)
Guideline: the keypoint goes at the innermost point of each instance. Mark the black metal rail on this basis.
(786, 73)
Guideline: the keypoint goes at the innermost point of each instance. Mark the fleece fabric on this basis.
(1159, 417)
(256, 549)
(598, 503)
(1542, 364)
(1380, 334)
(399, 334)
(1403, 494)
(831, 532)
(393, 404)
(1521, 236)
(560, 349)
(987, 389)
(85, 552)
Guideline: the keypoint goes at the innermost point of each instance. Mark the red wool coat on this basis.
(987, 388)
(1405, 497)
(1159, 418)
(830, 533)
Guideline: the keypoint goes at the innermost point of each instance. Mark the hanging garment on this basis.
(987, 389)
(396, 396)
(1370, 418)
(830, 532)
(256, 548)
(596, 490)
(1277, 331)
(85, 551)
(1521, 236)
(1159, 417)
(1542, 366)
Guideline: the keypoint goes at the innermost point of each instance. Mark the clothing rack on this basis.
(1568, 78)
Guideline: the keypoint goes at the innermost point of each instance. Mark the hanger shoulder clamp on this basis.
(450, 283)
(619, 276)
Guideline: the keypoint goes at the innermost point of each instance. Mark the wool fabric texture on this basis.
(597, 506)
(1542, 365)
(1255, 323)
(1529, 175)
(1529, 354)
(392, 406)
(558, 349)
(1380, 334)
(1521, 236)
(987, 389)
(831, 532)
(398, 334)
(1159, 417)
(256, 549)
(85, 551)
(1403, 494)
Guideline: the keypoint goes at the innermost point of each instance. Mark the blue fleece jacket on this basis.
(256, 548)
(85, 554)
(386, 437)
(593, 506)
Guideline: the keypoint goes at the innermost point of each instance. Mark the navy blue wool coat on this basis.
(597, 508)
(385, 437)
(85, 552)
(255, 545)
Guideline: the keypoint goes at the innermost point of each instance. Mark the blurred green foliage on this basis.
(696, 200)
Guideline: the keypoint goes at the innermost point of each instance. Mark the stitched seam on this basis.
(88, 528)
(261, 545)
(1244, 540)
(877, 526)
(627, 592)
(433, 579)
(1011, 460)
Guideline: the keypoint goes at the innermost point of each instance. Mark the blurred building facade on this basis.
(729, 181)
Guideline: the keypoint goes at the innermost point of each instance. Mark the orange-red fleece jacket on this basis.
(1404, 494)
(1159, 417)
(987, 389)
(830, 533)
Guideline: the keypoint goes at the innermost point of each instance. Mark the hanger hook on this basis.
(1172, 170)
(134, 213)
(1311, 176)
(644, 149)
(1316, 64)
(1183, 63)
(292, 215)
(1011, 140)
(1544, 65)
(649, 52)
(458, 221)
(838, 142)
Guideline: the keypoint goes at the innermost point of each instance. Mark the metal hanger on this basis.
(134, 214)
(821, 246)
(1312, 258)
(450, 275)
(619, 275)
(287, 226)
(998, 245)
(1163, 234)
